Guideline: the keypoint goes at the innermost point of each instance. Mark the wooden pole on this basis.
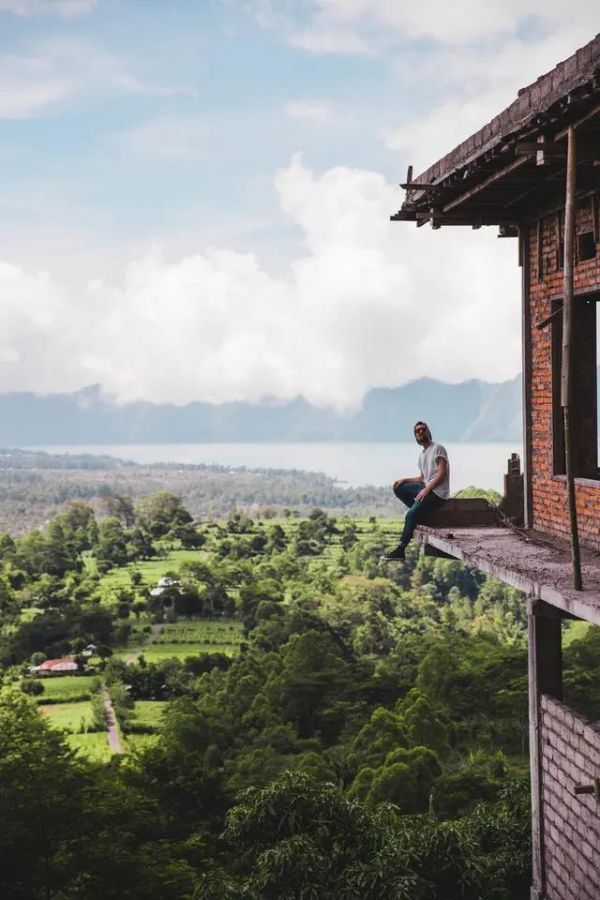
(568, 354)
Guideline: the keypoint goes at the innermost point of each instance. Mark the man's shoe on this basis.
(397, 554)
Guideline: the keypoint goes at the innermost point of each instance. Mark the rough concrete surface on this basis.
(535, 564)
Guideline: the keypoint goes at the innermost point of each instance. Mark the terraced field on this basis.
(72, 717)
(92, 745)
(183, 639)
(67, 688)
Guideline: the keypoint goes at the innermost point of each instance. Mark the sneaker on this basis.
(397, 554)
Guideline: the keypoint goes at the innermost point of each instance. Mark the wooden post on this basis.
(525, 254)
(568, 354)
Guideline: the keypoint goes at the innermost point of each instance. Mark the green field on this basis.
(93, 745)
(73, 717)
(151, 570)
(140, 741)
(191, 638)
(148, 714)
(68, 688)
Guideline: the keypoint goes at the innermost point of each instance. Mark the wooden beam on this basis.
(475, 221)
(403, 216)
(591, 114)
(543, 150)
(526, 350)
(549, 319)
(417, 186)
(568, 353)
(491, 179)
(508, 231)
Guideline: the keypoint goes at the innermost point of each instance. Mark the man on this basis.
(425, 492)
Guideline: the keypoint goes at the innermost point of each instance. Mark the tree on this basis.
(121, 507)
(162, 512)
(40, 801)
(111, 547)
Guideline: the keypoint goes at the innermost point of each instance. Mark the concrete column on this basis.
(545, 677)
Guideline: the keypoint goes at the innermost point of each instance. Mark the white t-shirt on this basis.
(428, 458)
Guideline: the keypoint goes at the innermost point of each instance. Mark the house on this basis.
(533, 171)
(167, 581)
(163, 583)
(56, 666)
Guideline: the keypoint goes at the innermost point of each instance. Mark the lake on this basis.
(353, 464)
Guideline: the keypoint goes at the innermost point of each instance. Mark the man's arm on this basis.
(440, 475)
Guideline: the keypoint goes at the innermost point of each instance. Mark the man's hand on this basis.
(398, 482)
(422, 494)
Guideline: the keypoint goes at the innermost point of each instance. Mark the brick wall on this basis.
(549, 494)
(570, 755)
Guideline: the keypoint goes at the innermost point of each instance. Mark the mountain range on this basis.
(469, 411)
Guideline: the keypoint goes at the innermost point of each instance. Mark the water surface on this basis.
(353, 464)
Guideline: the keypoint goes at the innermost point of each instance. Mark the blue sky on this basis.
(214, 178)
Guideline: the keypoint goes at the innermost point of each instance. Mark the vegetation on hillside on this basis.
(301, 720)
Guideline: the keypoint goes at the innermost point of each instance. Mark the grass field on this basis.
(93, 745)
(73, 717)
(148, 713)
(150, 570)
(140, 741)
(191, 638)
(68, 688)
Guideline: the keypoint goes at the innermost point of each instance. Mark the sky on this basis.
(195, 194)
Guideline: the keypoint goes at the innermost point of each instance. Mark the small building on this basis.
(56, 666)
(167, 581)
(533, 171)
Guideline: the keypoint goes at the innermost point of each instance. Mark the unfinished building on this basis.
(534, 172)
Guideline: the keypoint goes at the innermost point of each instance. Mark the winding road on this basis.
(114, 735)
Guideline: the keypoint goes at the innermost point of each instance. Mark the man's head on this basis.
(422, 433)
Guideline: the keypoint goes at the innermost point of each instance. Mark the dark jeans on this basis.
(417, 509)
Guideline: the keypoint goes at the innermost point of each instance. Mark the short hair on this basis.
(426, 426)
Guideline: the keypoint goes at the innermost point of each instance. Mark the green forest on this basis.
(293, 717)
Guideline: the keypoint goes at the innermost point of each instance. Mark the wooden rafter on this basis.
(487, 182)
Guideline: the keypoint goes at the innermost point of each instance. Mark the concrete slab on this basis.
(538, 566)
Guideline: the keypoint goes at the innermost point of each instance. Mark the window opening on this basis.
(585, 390)
(586, 246)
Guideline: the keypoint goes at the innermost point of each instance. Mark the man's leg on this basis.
(407, 492)
(416, 514)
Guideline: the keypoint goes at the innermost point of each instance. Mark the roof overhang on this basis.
(513, 169)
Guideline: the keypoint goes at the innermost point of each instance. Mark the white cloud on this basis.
(330, 41)
(311, 110)
(369, 303)
(59, 70)
(475, 93)
(28, 86)
(173, 138)
(459, 23)
(64, 8)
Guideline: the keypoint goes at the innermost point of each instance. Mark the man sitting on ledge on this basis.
(425, 492)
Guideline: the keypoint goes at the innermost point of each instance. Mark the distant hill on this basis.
(469, 411)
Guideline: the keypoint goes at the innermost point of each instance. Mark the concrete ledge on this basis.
(462, 513)
(538, 567)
